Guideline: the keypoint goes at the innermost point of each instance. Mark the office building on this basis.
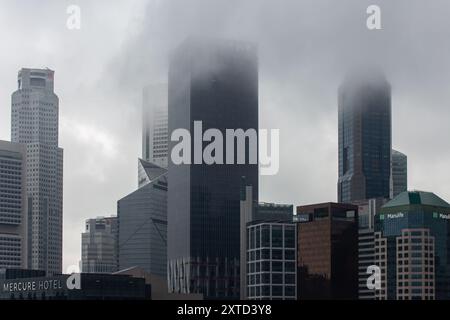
(252, 212)
(99, 245)
(364, 137)
(327, 257)
(142, 224)
(13, 206)
(271, 264)
(399, 173)
(154, 125)
(34, 115)
(412, 247)
(215, 82)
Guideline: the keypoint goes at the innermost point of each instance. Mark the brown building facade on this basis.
(327, 251)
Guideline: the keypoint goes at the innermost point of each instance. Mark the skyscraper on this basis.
(154, 125)
(99, 245)
(142, 217)
(34, 118)
(399, 173)
(13, 206)
(215, 82)
(412, 247)
(364, 137)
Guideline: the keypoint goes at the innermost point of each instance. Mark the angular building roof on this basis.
(407, 198)
(148, 172)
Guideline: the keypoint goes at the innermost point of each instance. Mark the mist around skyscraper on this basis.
(136, 171)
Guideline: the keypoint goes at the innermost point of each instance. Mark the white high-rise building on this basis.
(34, 123)
(154, 125)
(13, 206)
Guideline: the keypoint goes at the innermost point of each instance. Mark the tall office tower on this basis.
(399, 173)
(364, 137)
(13, 206)
(367, 209)
(35, 123)
(154, 125)
(252, 212)
(215, 82)
(142, 217)
(327, 257)
(412, 246)
(99, 245)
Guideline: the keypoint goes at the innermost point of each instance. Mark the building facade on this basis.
(252, 212)
(412, 247)
(142, 224)
(34, 116)
(399, 173)
(13, 206)
(271, 261)
(99, 245)
(215, 82)
(327, 257)
(367, 209)
(364, 137)
(154, 125)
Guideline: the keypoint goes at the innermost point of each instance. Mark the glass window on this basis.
(289, 237)
(289, 291)
(277, 254)
(289, 266)
(277, 290)
(277, 266)
(277, 236)
(265, 236)
(289, 278)
(289, 254)
(277, 278)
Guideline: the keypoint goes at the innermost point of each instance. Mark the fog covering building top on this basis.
(34, 123)
(412, 245)
(364, 137)
(215, 82)
(154, 124)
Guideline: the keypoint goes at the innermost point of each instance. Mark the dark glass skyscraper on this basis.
(364, 137)
(215, 82)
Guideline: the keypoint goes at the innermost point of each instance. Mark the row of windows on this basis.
(274, 266)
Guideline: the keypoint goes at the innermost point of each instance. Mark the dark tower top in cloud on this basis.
(364, 136)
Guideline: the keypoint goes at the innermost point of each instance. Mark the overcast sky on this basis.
(305, 47)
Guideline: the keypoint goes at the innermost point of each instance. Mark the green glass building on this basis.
(412, 247)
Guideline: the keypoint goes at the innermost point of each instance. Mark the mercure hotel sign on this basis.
(40, 285)
(30, 285)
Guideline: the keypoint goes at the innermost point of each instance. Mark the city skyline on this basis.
(101, 155)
